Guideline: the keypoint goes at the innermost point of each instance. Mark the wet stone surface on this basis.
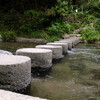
(15, 72)
(5, 52)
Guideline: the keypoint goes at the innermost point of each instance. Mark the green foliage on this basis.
(53, 30)
(59, 10)
(9, 36)
(89, 18)
(66, 27)
(93, 7)
(59, 29)
(10, 20)
(97, 24)
(31, 21)
(39, 34)
(43, 34)
(75, 26)
(53, 38)
(90, 35)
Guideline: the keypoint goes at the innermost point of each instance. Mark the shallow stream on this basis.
(75, 77)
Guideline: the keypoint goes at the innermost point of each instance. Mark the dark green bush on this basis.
(93, 7)
(31, 21)
(39, 34)
(9, 36)
(97, 24)
(59, 10)
(59, 29)
(43, 34)
(90, 35)
(53, 38)
(66, 27)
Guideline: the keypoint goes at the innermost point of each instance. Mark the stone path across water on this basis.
(15, 71)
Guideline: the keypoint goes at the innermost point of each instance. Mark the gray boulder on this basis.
(5, 52)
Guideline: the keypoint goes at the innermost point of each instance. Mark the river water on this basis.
(75, 77)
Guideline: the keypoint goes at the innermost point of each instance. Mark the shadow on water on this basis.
(75, 77)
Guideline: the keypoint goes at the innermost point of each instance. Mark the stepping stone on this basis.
(41, 59)
(70, 40)
(15, 72)
(56, 50)
(75, 40)
(64, 41)
(64, 46)
(7, 95)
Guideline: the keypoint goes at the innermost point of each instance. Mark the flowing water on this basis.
(75, 77)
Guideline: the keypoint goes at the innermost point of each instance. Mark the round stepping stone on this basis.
(68, 42)
(15, 72)
(7, 95)
(56, 50)
(41, 59)
(76, 39)
(64, 46)
(71, 40)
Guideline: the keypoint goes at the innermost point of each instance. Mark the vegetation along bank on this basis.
(50, 20)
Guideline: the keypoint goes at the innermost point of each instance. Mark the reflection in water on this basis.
(12, 47)
(75, 77)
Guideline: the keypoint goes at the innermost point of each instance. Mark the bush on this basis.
(53, 38)
(90, 35)
(39, 34)
(59, 29)
(66, 27)
(93, 7)
(97, 24)
(43, 34)
(9, 36)
(53, 30)
(59, 10)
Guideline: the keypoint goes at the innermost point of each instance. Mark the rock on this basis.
(75, 35)
(15, 72)
(66, 36)
(56, 50)
(31, 40)
(75, 40)
(7, 95)
(64, 41)
(5, 52)
(39, 57)
(64, 46)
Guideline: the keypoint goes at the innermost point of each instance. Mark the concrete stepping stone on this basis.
(15, 72)
(64, 46)
(75, 40)
(41, 59)
(7, 95)
(64, 41)
(56, 50)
